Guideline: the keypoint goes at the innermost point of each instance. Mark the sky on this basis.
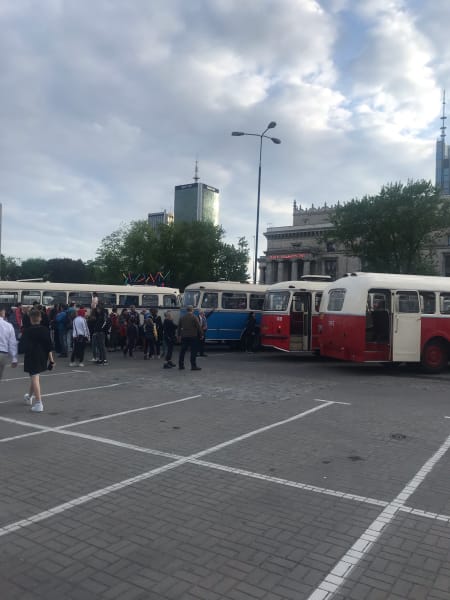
(105, 106)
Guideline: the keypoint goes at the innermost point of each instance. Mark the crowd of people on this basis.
(37, 332)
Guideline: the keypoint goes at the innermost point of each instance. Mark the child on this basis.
(38, 357)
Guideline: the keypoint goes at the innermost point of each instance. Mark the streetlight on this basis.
(275, 140)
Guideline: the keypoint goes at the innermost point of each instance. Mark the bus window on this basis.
(108, 299)
(299, 304)
(408, 302)
(444, 300)
(128, 300)
(278, 301)
(30, 296)
(80, 298)
(317, 300)
(336, 300)
(256, 301)
(428, 302)
(150, 300)
(54, 297)
(234, 300)
(210, 300)
(191, 298)
(9, 298)
(170, 301)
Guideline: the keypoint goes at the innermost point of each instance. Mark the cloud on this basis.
(105, 108)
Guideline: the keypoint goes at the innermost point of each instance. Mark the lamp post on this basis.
(275, 140)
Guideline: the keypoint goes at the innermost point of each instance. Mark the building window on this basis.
(447, 265)
(331, 267)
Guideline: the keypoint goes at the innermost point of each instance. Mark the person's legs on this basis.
(63, 342)
(184, 347)
(81, 348)
(73, 355)
(101, 347)
(35, 393)
(4, 358)
(194, 345)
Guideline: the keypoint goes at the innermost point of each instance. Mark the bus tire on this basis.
(434, 357)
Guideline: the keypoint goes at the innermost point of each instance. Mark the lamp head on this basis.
(271, 125)
(237, 133)
(275, 140)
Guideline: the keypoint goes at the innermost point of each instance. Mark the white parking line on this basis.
(44, 429)
(337, 576)
(149, 474)
(98, 387)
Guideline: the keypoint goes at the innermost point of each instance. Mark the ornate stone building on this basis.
(304, 248)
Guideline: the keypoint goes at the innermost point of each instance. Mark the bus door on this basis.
(300, 333)
(406, 326)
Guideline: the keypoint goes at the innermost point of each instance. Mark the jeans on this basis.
(192, 343)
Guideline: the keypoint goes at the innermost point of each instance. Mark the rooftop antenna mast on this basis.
(196, 175)
(443, 118)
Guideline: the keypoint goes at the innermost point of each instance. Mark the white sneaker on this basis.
(28, 400)
(72, 365)
(37, 407)
(81, 365)
(93, 360)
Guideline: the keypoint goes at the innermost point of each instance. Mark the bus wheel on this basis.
(434, 357)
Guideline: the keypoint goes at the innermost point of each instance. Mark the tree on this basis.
(66, 270)
(183, 252)
(392, 231)
(9, 268)
(34, 268)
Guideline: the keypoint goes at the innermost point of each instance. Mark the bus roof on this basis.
(360, 280)
(226, 286)
(299, 285)
(85, 287)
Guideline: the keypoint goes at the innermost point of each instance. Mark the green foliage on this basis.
(187, 252)
(391, 232)
(9, 268)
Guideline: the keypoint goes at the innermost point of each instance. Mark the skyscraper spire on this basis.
(196, 175)
(443, 118)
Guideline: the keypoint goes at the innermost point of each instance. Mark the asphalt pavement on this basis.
(263, 476)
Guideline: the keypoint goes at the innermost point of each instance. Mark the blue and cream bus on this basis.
(227, 305)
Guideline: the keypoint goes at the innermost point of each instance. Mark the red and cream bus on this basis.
(378, 317)
(291, 312)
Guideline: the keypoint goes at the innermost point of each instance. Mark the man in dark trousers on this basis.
(189, 333)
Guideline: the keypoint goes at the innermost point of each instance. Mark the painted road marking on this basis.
(149, 474)
(337, 576)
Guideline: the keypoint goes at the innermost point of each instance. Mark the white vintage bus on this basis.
(379, 317)
(48, 294)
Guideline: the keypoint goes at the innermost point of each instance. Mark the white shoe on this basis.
(81, 365)
(28, 400)
(93, 360)
(72, 365)
(37, 407)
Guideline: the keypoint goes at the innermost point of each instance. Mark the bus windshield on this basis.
(277, 301)
(191, 298)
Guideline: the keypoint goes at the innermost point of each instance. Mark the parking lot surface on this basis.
(262, 476)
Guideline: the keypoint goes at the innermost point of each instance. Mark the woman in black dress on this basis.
(38, 357)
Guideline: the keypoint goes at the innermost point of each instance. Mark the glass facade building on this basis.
(196, 202)
(443, 167)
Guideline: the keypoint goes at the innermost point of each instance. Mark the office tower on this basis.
(443, 158)
(196, 201)
(159, 218)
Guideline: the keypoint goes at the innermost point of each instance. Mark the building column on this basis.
(269, 272)
(280, 270)
(262, 274)
(294, 269)
(306, 267)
